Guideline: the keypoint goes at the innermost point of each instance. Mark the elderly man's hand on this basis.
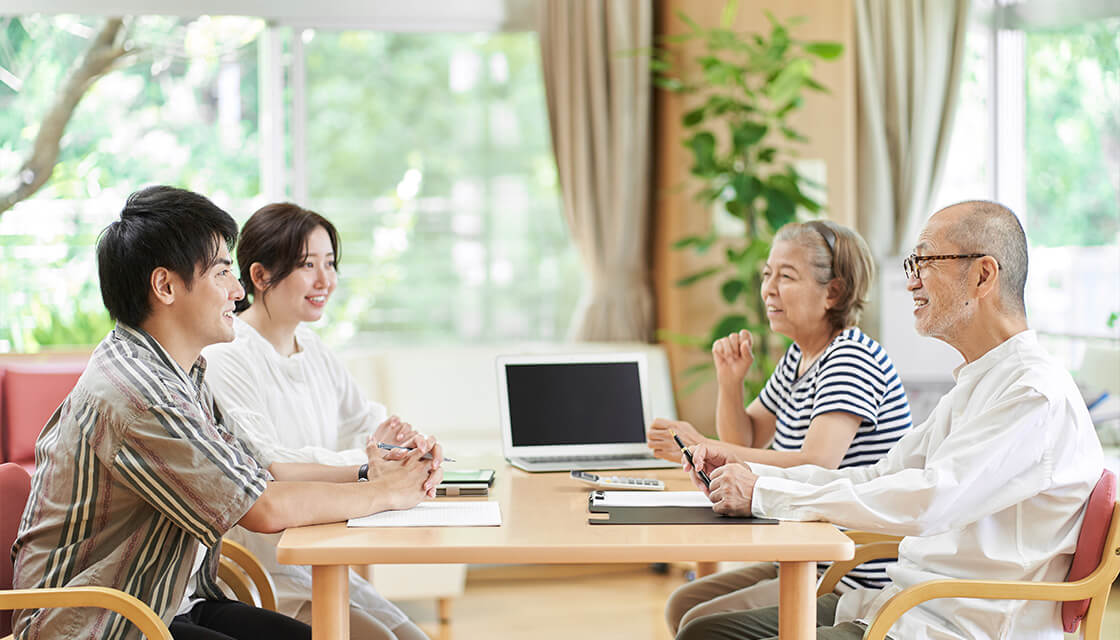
(731, 489)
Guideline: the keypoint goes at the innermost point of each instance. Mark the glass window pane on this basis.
(1073, 176)
(434, 161)
(183, 112)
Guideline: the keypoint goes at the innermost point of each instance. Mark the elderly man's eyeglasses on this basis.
(913, 262)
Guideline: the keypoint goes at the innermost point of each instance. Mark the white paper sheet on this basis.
(472, 513)
(651, 499)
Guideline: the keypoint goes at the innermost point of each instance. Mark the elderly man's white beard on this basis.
(946, 317)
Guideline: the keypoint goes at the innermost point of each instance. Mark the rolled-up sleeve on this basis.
(180, 464)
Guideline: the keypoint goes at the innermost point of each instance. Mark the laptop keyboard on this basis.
(616, 456)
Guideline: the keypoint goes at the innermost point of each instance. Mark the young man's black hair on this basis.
(154, 232)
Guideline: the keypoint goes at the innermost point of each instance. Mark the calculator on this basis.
(619, 482)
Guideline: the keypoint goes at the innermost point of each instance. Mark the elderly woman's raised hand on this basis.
(660, 438)
(733, 357)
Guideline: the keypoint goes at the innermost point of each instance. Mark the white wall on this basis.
(917, 358)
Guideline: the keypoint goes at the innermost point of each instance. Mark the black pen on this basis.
(688, 454)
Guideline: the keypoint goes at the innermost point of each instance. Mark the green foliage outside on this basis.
(1073, 135)
(446, 198)
(442, 181)
(743, 148)
(155, 120)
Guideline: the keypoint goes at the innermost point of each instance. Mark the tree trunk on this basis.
(103, 53)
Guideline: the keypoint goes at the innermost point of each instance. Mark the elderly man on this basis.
(991, 486)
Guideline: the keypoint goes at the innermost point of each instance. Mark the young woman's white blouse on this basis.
(300, 408)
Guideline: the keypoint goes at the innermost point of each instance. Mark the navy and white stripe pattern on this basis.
(854, 375)
(134, 470)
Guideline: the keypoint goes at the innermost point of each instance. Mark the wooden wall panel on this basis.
(829, 121)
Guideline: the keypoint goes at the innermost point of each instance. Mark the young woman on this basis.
(292, 398)
(834, 400)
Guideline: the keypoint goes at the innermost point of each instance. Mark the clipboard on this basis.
(668, 515)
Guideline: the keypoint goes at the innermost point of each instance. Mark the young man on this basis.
(992, 486)
(138, 475)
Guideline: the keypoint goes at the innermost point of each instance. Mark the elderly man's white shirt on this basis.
(991, 486)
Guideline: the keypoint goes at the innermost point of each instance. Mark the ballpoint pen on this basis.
(688, 454)
(426, 456)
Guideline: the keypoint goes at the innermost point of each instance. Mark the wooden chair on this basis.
(239, 569)
(1084, 594)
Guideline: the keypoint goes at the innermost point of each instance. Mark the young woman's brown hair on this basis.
(276, 237)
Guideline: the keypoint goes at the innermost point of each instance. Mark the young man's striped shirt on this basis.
(134, 471)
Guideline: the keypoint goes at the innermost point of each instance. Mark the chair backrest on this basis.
(15, 487)
(1090, 545)
(31, 393)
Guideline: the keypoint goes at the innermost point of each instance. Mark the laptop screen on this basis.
(575, 403)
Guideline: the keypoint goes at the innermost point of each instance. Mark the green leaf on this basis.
(727, 18)
(731, 290)
(809, 203)
(816, 86)
(779, 208)
(756, 253)
(1112, 318)
(747, 134)
(787, 107)
(698, 276)
(792, 134)
(700, 243)
(746, 187)
(735, 208)
(688, 241)
(767, 154)
(688, 21)
(669, 84)
(727, 325)
(693, 118)
(824, 50)
(788, 82)
(735, 255)
(703, 147)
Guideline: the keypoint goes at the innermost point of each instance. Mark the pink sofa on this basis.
(29, 394)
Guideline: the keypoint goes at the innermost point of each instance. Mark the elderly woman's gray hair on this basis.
(836, 253)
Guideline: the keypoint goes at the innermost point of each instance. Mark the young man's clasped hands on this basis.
(732, 480)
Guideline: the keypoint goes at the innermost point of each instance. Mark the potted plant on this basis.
(743, 149)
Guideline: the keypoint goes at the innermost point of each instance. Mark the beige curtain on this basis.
(910, 58)
(599, 112)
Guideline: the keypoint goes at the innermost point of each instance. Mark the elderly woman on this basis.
(834, 400)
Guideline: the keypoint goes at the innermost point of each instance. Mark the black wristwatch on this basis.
(363, 473)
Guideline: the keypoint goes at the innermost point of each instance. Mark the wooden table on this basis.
(544, 520)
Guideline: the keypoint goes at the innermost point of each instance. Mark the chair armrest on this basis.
(866, 537)
(870, 551)
(911, 597)
(135, 611)
(242, 571)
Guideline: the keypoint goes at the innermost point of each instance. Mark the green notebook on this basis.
(462, 476)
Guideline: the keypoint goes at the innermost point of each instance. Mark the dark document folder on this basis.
(668, 515)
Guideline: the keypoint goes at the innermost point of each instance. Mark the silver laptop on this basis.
(565, 412)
